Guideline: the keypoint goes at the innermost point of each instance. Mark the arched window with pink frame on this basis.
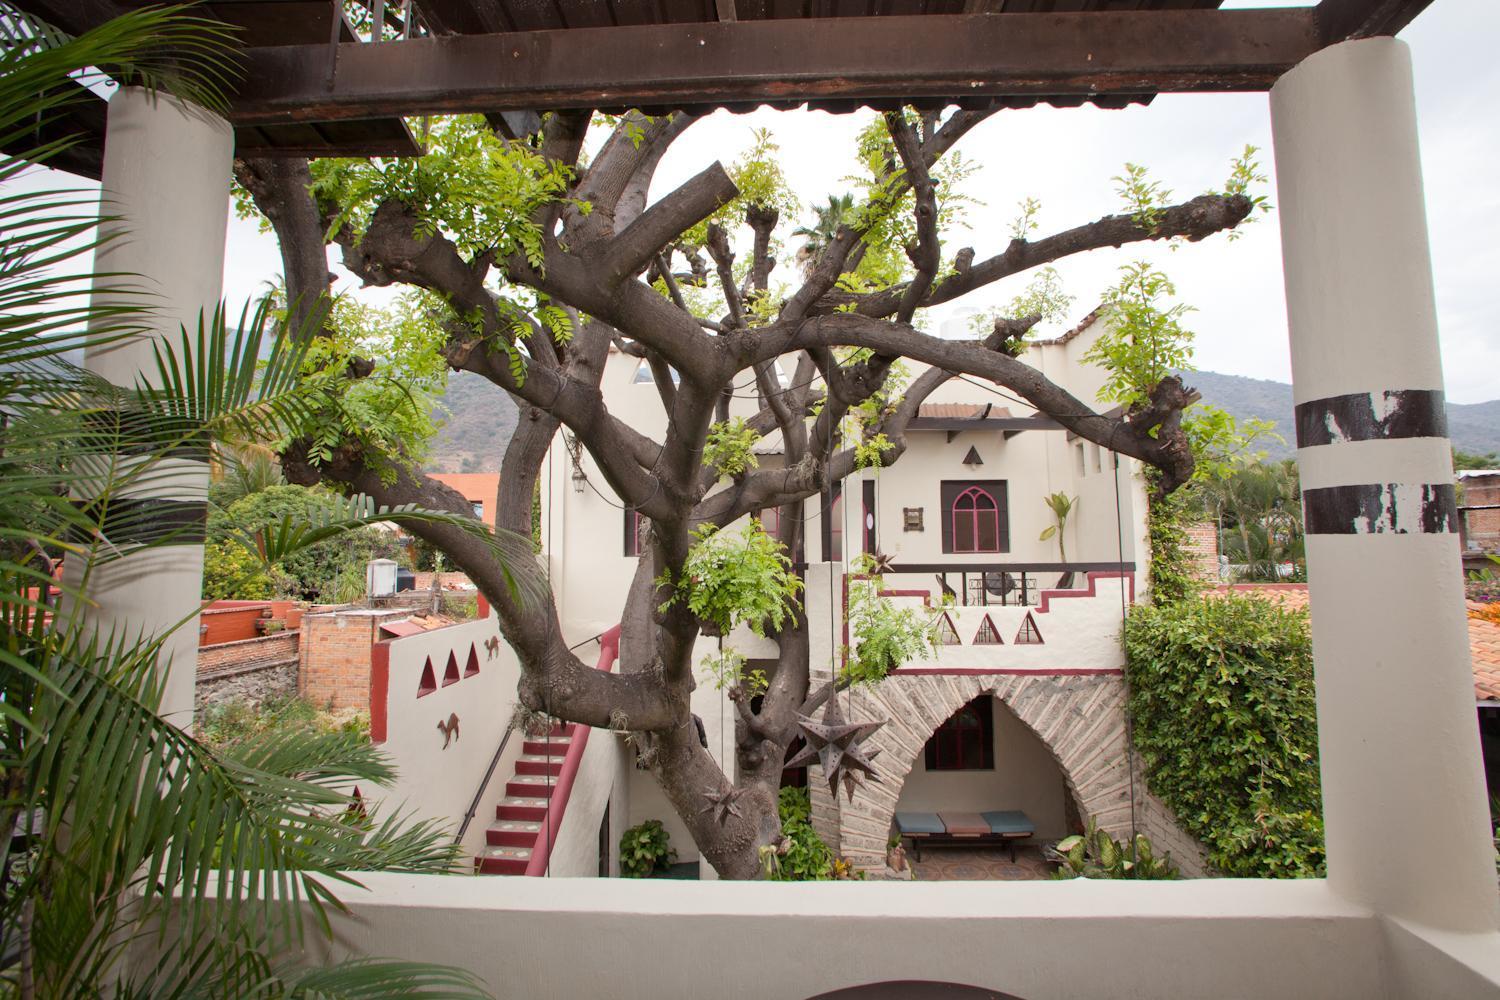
(976, 521)
(975, 515)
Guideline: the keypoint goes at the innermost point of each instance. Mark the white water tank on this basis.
(380, 577)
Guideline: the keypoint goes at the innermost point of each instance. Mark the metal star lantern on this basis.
(721, 804)
(836, 745)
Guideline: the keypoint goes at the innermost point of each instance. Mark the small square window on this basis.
(966, 742)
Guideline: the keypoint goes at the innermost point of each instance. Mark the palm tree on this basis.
(1262, 503)
(825, 226)
(152, 864)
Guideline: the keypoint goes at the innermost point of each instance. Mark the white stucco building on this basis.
(1399, 750)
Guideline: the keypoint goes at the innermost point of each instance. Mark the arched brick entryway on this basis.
(1080, 719)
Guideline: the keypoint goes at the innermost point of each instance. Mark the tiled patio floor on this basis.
(950, 864)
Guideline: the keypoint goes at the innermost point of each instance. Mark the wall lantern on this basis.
(911, 518)
(575, 453)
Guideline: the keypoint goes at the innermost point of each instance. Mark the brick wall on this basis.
(335, 655)
(227, 657)
(1482, 527)
(1202, 548)
(230, 621)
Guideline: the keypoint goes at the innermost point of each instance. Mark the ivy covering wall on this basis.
(1222, 703)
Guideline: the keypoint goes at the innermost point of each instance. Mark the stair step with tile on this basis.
(521, 807)
(521, 816)
(538, 764)
(530, 785)
(503, 860)
(512, 833)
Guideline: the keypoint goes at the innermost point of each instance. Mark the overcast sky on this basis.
(1067, 158)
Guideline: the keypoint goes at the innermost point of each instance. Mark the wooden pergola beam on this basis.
(952, 57)
(1340, 20)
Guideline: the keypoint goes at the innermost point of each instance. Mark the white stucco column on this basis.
(1403, 790)
(167, 166)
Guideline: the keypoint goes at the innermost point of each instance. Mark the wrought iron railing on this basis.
(1007, 583)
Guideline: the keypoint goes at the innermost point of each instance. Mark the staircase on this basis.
(520, 818)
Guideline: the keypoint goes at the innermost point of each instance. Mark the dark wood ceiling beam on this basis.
(932, 56)
(1339, 20)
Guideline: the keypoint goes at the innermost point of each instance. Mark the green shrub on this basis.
(331, 571)
(228, 722)
(1221, 698)
(231, 572)
(646, 850)
(806, 858)
(1095, 854)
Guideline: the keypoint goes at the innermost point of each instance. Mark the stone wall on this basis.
(1080, 718)
(254, 684)
(248, 669)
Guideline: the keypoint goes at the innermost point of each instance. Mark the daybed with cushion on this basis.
(1001, 826)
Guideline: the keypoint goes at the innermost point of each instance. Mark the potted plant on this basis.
(646, 850)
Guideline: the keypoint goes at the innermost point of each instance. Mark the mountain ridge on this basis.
(481, 417)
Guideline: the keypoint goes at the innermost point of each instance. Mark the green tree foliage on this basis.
(1221, 698)
(319, 572)
(727, 449)
(882, 636)
(1464, 461)
(231, 572)
(387, 415)
(1145, 340)
(1260, 506)
(739, 578)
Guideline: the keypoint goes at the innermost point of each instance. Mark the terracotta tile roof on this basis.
(1484, 647)
(1484, 636)
(961, 411)
(1082, 325)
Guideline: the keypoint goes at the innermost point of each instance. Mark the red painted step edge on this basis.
(609, 651)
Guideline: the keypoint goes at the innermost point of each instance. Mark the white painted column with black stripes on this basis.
(167, 166)
(1403, 787)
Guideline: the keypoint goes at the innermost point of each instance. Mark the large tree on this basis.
(538, 262)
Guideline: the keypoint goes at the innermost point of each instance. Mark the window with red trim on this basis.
(975, 516)
(966, 742)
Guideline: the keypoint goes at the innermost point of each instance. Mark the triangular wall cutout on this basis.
(428, 683)
(472, 667)
(450, 675)
(1028, 635)
(972, 458)
(987, 636)
(947, 634)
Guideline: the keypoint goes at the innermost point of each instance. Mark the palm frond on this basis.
(514, 552)
(380, 979)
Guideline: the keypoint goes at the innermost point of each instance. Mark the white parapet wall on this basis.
(410, 719)
(1078, 940)
(1073, 630)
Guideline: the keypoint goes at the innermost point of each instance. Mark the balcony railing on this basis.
(1009, 583)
